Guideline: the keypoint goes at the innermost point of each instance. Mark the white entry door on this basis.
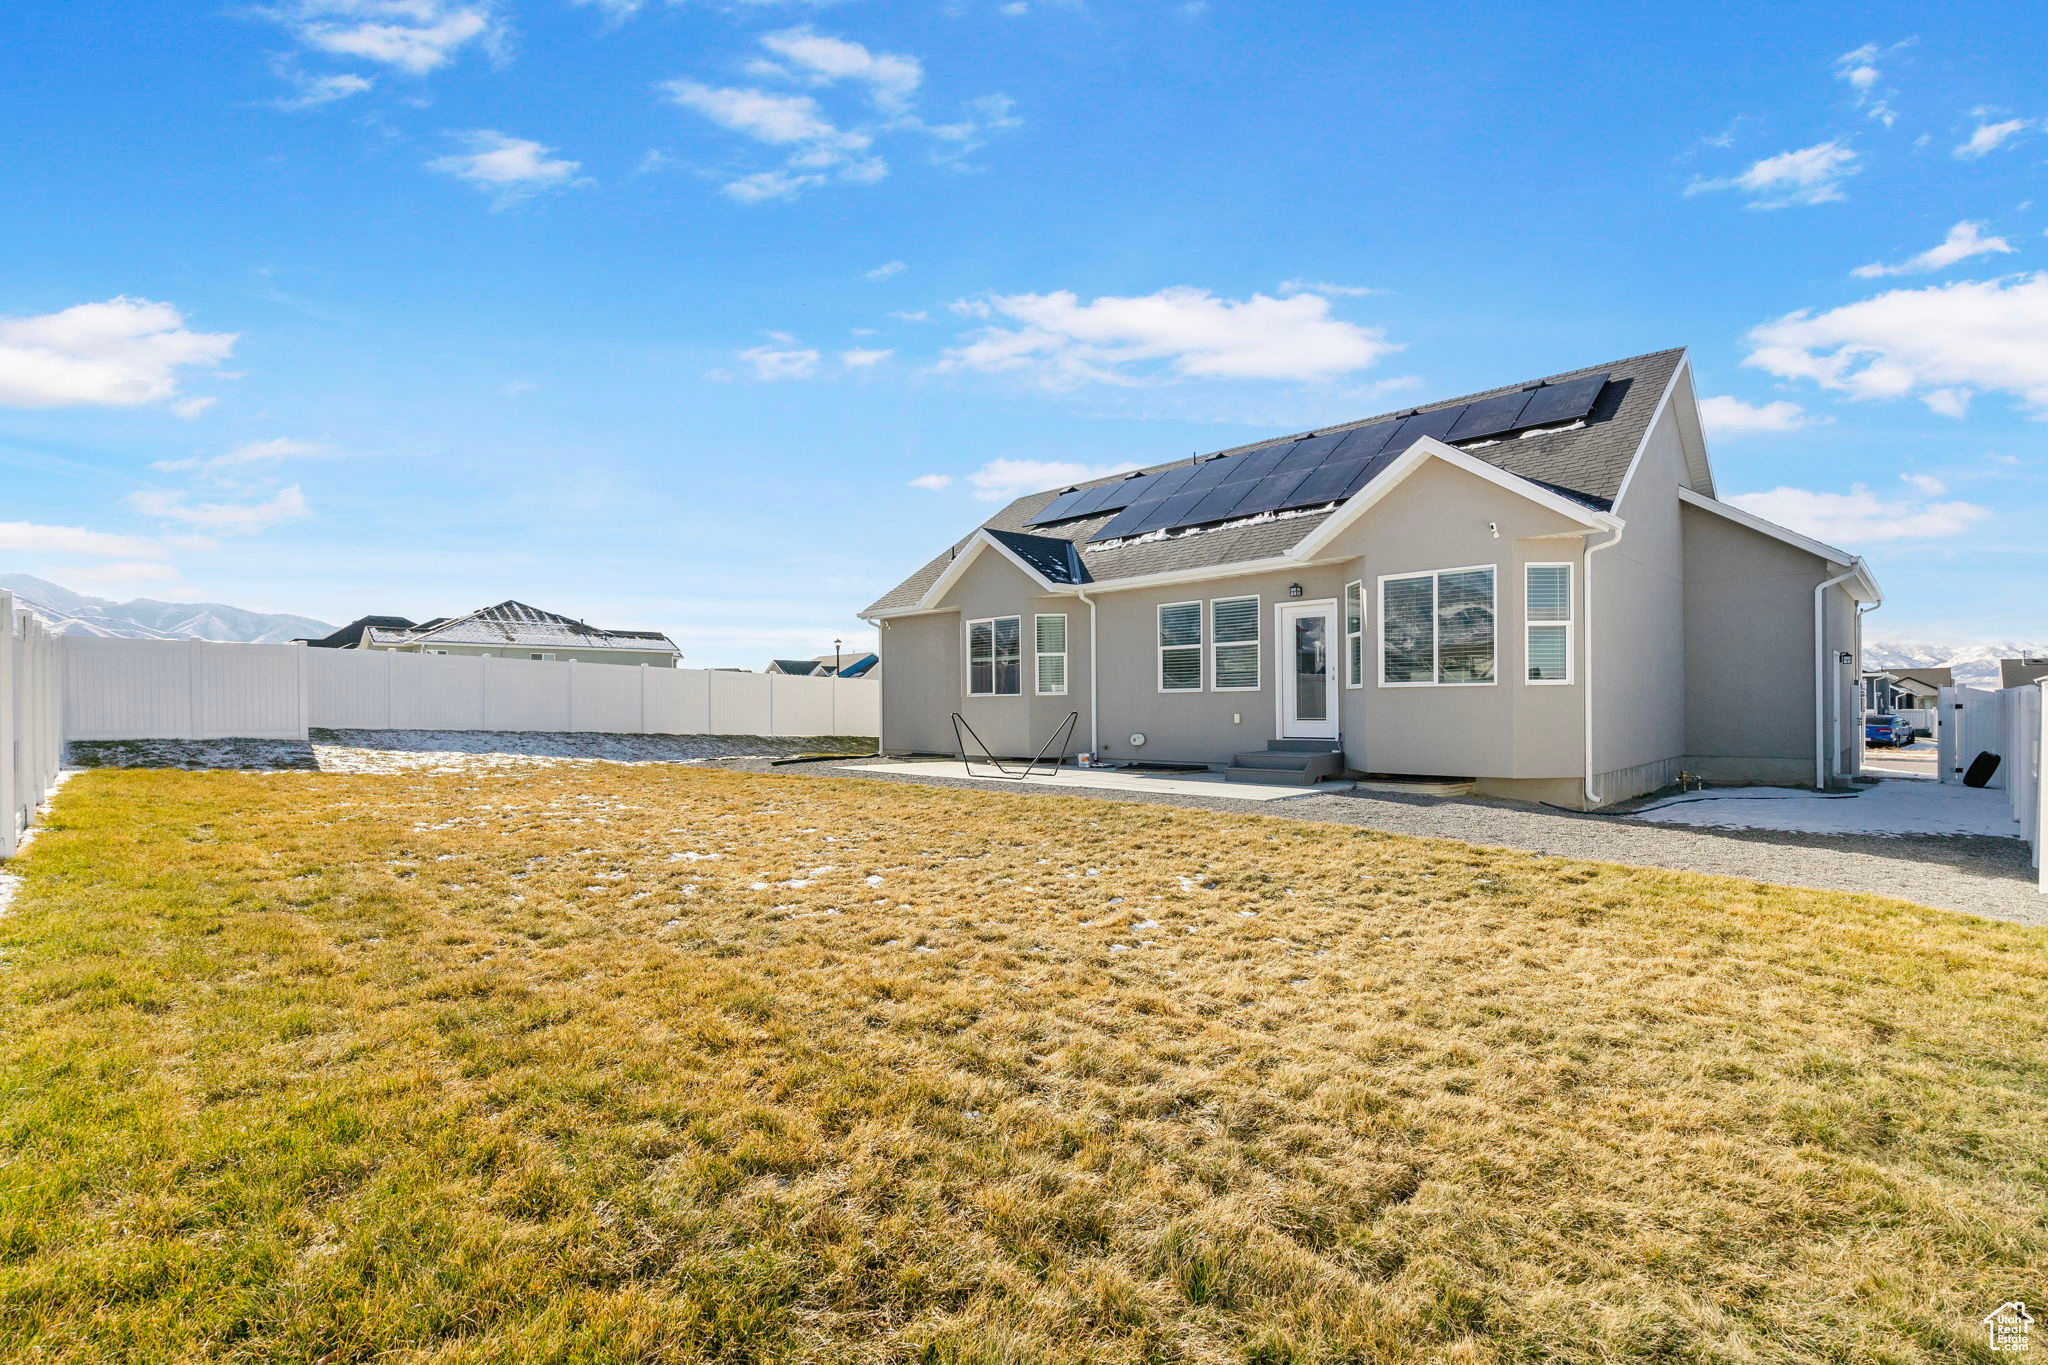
(1308, 670)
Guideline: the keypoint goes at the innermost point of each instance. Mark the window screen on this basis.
(1180, 647)
(1234, 629)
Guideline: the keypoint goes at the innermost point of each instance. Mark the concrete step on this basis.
(1284, 768)
(1302, 746)
(1262, 758)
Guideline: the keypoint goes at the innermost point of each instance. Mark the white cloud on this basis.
(506, 168)
(1858, 67)
(28, 537)
(1731, 417)
(1180, 331)
(1861, 517)
(1335, 291)
(189, 408)
(120, 353)
(415, 36)
(1002, 480)
(227, 518)
(315, 91)
(932, 482)
(123, 571)
(1811, 175)
(786, 362)
(890, 76)
(884, 271)
(859, 359)
(1926, 483)
(919, 316)
(1989, 137)
(1859, 70)
(1942, 344)
(823, 149)
(241, 457)
(1964, 240)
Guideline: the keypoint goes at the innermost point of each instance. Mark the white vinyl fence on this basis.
(2008, 723)
(165, 689)
(30, 744)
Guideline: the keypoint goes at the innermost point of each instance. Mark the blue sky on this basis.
(720, 318)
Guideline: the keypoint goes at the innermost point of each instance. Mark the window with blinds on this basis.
(1437, 629)
(1548, 621)
(1354, 634)
(1234, 639)
(1180, 647)
(995, 660)
(1050, 655)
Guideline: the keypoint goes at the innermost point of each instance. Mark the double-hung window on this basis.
(1049, 666)
(1547, 606)
(1180, 647)
(1234, 640)
(1354, 634)
(995, 660)
(1437, 629)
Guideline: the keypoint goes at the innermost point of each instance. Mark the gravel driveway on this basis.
(1974, 874)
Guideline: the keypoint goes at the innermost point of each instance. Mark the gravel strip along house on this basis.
(1534, 589)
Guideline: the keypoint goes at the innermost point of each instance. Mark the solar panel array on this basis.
(1310, 471)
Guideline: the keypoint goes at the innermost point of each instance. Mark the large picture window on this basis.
(1050, 664)
(1437, 629)
(1234, 637)
(995, 660)
(1180, 647)
(1547, 604)
(1354, 634)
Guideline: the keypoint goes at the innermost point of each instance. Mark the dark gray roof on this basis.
(801, 668)
(2021, 672)
(351, 635)
(1586, 464)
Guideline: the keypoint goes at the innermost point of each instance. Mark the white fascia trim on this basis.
(976, 543)
(1868, 590)
(1423, 451)
(1683, 370)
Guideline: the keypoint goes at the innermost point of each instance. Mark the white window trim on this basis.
(1257, 643)
(1570, 624)
(1038, 688)
(967, 654)
(1436, 666)
(1201, 639)
(1353, 679)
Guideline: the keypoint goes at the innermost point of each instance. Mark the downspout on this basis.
(1620, 529)
(1820, 677)
(1094, 737)
(1861, 612)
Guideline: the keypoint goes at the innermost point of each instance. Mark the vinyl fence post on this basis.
(194, 708)
(10, 738)
(305, 689)
(643, 697)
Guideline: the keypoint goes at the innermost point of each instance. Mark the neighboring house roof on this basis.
(1925, 679)
(1584, 464)
(802, 668)
(516, 623)
(351, 635)
(860, 667)
(2020, 672)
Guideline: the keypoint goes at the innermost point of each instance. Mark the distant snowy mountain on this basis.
(1974, 665)
(70, 613)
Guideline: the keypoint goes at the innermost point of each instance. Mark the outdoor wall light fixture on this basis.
(1294, 589)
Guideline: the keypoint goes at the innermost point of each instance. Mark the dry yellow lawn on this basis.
(600, 1063)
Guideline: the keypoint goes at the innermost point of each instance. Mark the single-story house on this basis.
(1905, 689)
(1536, 588)
(514, 630)
(352, 635)
(842, 665)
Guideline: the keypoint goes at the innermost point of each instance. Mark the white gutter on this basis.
(1094, 738)
(1820, 677)
(1620, 529)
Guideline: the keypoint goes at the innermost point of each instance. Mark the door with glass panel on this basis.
(1308, 671)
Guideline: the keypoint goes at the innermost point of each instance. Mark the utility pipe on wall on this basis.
(1094, 734)
(1820, 677)
(1620, 528)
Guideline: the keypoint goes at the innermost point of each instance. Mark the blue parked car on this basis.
(1887, 730)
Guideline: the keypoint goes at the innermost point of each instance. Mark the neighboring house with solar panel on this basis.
(1534, 588)
(514, 630)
